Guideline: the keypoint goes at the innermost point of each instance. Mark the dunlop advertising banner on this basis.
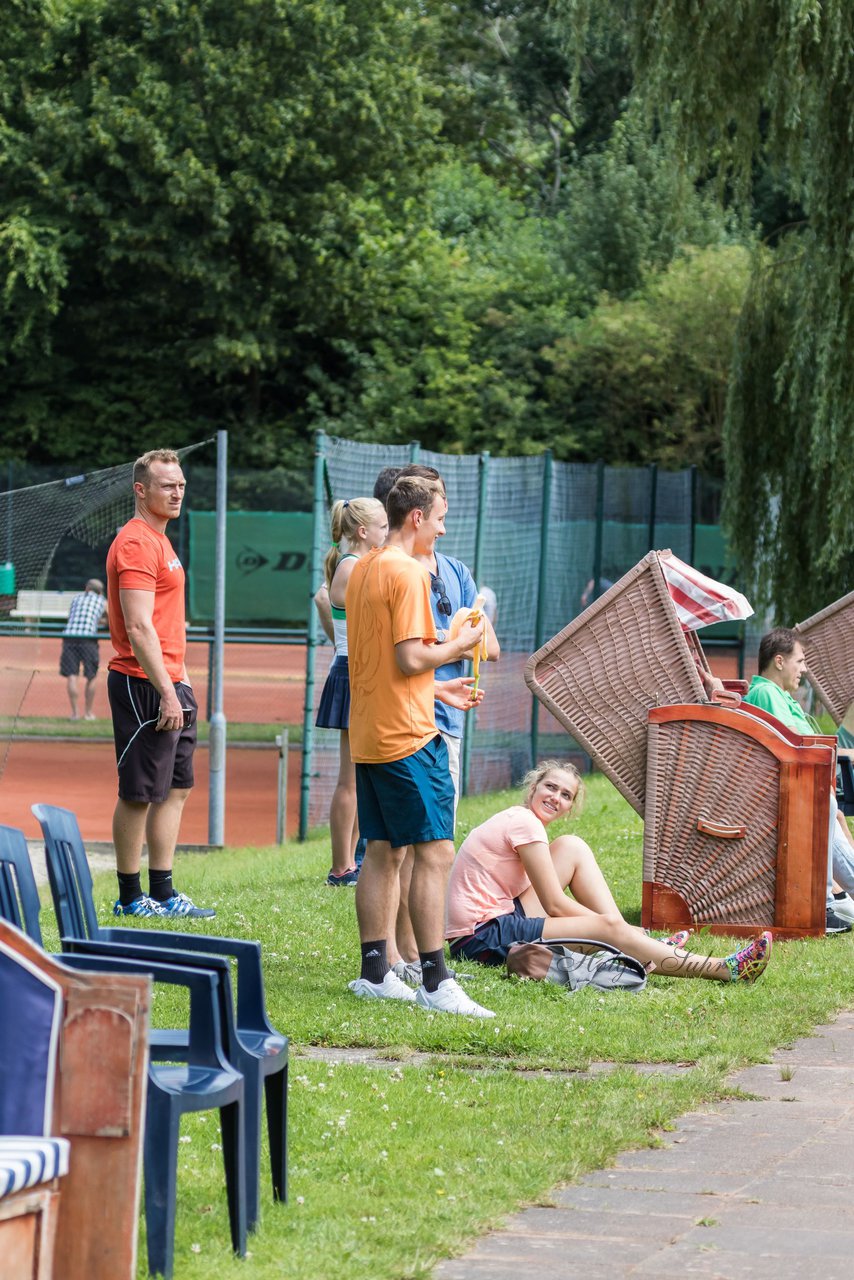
(267, 563)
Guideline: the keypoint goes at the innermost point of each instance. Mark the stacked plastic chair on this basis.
(254, 1046)
(735, 807)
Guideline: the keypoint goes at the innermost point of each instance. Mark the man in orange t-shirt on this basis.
(403, 784)
(152, 704)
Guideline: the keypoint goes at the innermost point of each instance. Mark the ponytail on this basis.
(347, 517)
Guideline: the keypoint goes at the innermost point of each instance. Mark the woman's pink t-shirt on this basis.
(488, 872)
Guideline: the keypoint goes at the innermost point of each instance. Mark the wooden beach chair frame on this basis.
(735, 807)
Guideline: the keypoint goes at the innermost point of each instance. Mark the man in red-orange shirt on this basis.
(152, 704)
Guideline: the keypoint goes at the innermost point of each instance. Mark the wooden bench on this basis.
(35, 605)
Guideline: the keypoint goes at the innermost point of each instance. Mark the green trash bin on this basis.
(7, 579)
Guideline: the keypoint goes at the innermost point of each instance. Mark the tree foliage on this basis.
(191, 181)
(772, 84)
(394, 221)
(645, 378)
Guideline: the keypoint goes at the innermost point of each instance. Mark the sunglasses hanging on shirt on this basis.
(443, 604)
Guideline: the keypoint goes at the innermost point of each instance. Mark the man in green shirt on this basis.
(782, 664)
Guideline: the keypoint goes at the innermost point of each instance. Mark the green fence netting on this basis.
(537, 532)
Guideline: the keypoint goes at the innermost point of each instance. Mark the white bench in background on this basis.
(36, 605)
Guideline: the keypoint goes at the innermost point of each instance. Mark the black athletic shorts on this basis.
(150, 762)
(77, 652)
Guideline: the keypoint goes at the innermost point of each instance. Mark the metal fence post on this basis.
(600, 521)
(318, 533)
(282, 788)
(692, 540)
(217, 728)
(653, 502)
(542, 587)
(470, 724)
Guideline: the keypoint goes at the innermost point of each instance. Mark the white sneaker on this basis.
(409, 971)
(449, 997)
(842, 905)
(391, 988)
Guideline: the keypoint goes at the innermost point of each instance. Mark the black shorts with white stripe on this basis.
(151, 763)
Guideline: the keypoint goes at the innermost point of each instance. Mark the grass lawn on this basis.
(398, 1165)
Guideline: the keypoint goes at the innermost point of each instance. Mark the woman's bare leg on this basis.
(342, 811)
(584, 878)
(404, 934)
(671, 963)
(577, 870)
(592, 913)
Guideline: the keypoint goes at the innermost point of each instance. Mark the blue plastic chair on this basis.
(205, 1078)
(19, 897)
(259, 1052)
(845, 784)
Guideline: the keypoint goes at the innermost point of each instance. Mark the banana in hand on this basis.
(472, 614)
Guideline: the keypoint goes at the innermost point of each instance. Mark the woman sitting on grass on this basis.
(507, 885)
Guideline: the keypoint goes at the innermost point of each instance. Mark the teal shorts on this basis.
(408, 801)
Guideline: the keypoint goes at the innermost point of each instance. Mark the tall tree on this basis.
(187, 191)
(771, 82)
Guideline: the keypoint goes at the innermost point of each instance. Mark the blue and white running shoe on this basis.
(180, 905)
(141, 906)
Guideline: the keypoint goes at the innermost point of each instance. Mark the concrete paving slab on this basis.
(693, 1181)
(828, 1193)
(711, 1263)
(603, 1200)
(587, 1224)
(754, 1189)
(777, 1219)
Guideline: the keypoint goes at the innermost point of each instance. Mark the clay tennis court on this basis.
(82, 776)
(263, 684)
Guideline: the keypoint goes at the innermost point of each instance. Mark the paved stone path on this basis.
(752, 1190)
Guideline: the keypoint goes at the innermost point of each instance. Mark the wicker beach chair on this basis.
(828, 640)
(735, 807)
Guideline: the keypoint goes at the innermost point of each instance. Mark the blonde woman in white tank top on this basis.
(358, 525)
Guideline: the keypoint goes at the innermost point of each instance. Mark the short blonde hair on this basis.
(142, 466)
(535, 776)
